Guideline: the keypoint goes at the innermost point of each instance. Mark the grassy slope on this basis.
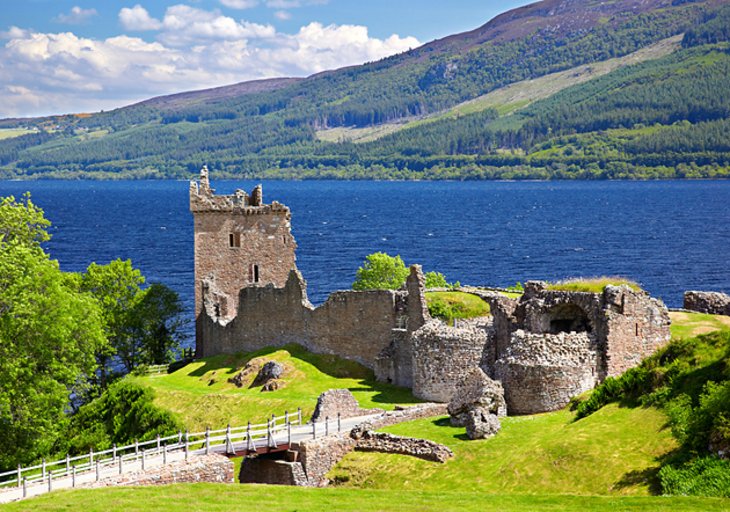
(614, 452)
(510, 98)
(201, 395)
(686, 325)
(215, 498)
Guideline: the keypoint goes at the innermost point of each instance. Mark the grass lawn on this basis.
(687, 325)
(227, 498)
(11, 133)
(614, 451)
(592, 284)
(201, 395)
(451, 305)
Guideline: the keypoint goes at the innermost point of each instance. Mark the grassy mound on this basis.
(690, 380)
(200, 394)
(224, 498)
(452, 305)
(613, 452)
(592, 284)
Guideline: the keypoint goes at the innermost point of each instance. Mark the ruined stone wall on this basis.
(542, 372)
(356, 325)
(636, 326)
(205, 468)
(442, 356)
(713, 303)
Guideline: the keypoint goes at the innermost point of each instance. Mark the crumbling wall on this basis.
(636, 326)
(542, 372)
(713, 303)
(442, 356)
(357, 325)
(260, 470)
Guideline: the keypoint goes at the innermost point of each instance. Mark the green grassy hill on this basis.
(535, 93)
(201, 396)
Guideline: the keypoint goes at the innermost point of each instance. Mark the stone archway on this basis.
(567, 318)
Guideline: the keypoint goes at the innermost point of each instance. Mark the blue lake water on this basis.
(670, 236)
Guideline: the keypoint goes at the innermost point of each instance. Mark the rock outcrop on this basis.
(477, 405)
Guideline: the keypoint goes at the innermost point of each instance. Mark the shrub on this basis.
(704, 476)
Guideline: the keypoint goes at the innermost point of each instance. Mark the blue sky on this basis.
(59, 56)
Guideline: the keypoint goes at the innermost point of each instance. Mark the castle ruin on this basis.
(545, 347)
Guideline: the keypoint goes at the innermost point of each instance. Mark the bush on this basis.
(125, 412)
(705, 476)
(381, 272)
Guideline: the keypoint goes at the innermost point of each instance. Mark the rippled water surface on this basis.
(669, 236)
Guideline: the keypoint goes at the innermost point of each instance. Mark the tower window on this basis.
(255, 273)
(234, 240)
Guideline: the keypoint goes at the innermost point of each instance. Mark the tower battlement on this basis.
(240, 242)
(204, 199)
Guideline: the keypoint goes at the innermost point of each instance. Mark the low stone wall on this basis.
(318, 456)
(713, 303)
(207, 468)
(369, 441)
(415, 412)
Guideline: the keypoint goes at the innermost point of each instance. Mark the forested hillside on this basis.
(647, 118)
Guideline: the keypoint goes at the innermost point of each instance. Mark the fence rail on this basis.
(277, 431)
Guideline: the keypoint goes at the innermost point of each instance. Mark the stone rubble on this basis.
(713, 303)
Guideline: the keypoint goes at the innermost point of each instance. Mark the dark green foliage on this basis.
(690, 380)
(381, 271)
(704, 476)
(271, 133)
(122, 414)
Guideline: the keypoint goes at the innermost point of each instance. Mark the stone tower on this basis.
(240, 242)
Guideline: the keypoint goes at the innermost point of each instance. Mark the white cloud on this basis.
(76, 16)
(282, 15)
(240, 4)
(291, 4)
(43, 73)
(137, 18)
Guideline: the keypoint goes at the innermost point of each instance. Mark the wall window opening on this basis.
(234, 240)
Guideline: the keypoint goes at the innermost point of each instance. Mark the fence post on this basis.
(286, 417)
(121, 458)
(136, 447)
(314, 430)
(164, 454)
(229, 445)
(299, 415)
(179, 438)
(158, 443)
(339, 422)
(114, 452)
(270, 435)
(207, 440)
(288, 434)
(50, 481)
(68, 463)
(187, 444)
(98, 475)
(273, 421)
(25, 488)
(248, 438)
(143, 459)
(43, 470)
(326, 425)
(73, 477)
(91, 457)
(20, 471)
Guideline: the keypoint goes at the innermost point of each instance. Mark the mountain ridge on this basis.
(267, 127)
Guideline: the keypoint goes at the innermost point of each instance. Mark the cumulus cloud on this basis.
(137, 18)
(282, 15)
(240, 4)
(43, 73)
(76, 16)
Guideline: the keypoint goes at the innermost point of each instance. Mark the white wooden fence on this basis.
(275, 433)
